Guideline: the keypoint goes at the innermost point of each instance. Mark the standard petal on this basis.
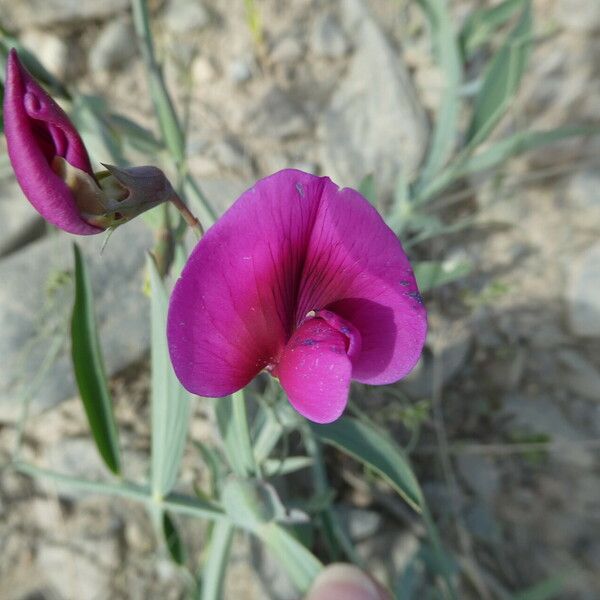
(315, 371)
(37, 129)
(232, 310)
(356, 267)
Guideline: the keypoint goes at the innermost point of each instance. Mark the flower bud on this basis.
(52, 166)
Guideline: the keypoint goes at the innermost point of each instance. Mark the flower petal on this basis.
(315, 371)
(36, 130)
(356, 267)
(232, 310)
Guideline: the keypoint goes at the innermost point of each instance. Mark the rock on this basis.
(583, 293)
(35, 304)
(287, 51)
(327, 38)
(374, 123)
(579, 16)
(277, 116)
(45, 13)
(51, 51)
(19, 221)
(480, 474)
(186, 16)
(114, 47)
(542, 416)
(581, 375)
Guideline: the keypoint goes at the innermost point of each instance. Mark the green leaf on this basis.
(170, 401)
(499, 152)
(431, 274)
(367, 189)
(300, 564)
(233, 425)
(173, 539)
(448, 56)
(291, 464)
(213, 572)
(502, 78)
(374, 449)
(523, 141)
(89, 368)
(484, 22)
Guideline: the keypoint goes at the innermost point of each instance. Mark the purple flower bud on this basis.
(37, 133)
(53, 168)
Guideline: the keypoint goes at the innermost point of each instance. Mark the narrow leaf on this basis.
(300, 564)
(449, 58)
(484, 22)
(374, 449)
(89, 368)
(233, 425)
(502, 79)
(173, 539)
(170, 401)
(213, 573)
(518, 143)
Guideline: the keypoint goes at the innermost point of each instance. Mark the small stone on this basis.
(480, 474)
(203, 70)
(50, 50)
(186, 16)
(287, 51)
(240, 70)
(581, 375)
(327, 38)
(114, 48)
(583, 293)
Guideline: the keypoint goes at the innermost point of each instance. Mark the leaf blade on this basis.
(89, 369)
(170, 401)
(375, 450)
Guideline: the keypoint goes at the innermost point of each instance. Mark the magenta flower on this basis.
(301, 279)
(37, 131)
(53, 168)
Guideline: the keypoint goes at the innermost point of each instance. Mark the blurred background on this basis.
(501, 416)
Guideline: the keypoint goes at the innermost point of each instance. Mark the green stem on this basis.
(177, 503)
(334, 533)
